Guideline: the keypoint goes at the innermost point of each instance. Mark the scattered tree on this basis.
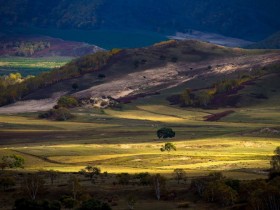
(52, 174)
(168, 147)
(75, 186)
(131, 201)
(165, 133)
(92, 171)
(159, 185)
(33, 184)
(180, 174)
(275, 163)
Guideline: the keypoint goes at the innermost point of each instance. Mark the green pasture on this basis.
(30, 66)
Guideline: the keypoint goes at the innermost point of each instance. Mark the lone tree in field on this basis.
(275, 163)
(165, 133)
(168, 147)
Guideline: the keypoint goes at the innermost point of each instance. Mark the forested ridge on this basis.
(247, 19)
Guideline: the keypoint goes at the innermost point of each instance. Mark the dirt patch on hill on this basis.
(32, 105)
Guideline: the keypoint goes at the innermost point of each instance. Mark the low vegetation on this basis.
(58, 114)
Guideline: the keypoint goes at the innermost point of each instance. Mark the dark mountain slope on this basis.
(247, 19)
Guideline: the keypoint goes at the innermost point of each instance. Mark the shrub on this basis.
(75, 86)
(13, 161)
(24, 204)
(101, 76)
(68, 202)
(60, 114)
(165, 133)
(67, 102)
(183, 205)
(94, 205)
(144, 178)
(7, 182)
(124, 178)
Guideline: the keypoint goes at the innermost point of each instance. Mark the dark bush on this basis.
(165, 133)
(26, 204)
(60, 114)
(94, 205)
(101, 76)
(67, 102)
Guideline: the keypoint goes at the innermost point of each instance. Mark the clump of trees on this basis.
(255, 194)
(203, 98)
(12, 161)
(25, 48)
(91, 171)
(67, 102)
(211, 188)
(61, 111)
(165, 133)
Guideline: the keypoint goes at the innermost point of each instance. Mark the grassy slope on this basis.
(125, 141)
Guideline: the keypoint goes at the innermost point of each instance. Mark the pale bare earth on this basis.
(32, 105)
(151, 80)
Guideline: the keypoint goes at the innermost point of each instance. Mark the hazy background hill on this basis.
(252, 20)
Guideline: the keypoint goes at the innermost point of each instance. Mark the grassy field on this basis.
(125, 141)
(30, 66)
(239, 145)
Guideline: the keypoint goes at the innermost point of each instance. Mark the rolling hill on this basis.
(131, 73)
(272, 42)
